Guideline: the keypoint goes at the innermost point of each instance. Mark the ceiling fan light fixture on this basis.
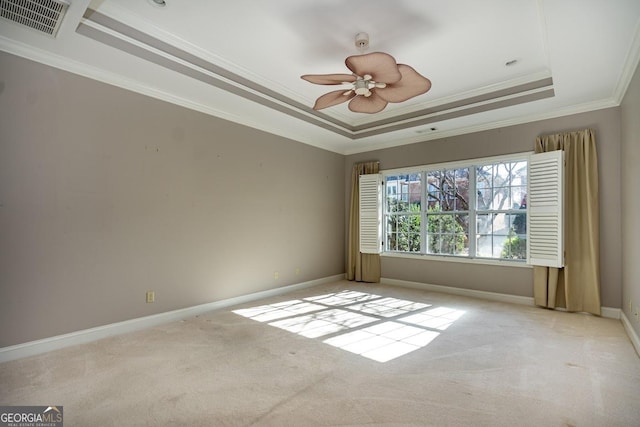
(361, 87)
(375, 81)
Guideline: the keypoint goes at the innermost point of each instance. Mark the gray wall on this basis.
(630, 182)
(105, 194)
(512, 139)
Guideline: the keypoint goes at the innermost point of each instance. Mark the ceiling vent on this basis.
(41, 15)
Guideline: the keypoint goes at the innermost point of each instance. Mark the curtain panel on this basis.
(360, 267)
(576, 286)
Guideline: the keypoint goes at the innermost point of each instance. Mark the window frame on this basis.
(398, 196)
(472, 212)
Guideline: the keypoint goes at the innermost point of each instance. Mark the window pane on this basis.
(403, 193)
(519, 173)
(519, 223)
(519, 197)
(434, 182)
(500, 198)
(484, 246)
(484, 176)
(484, 197)
(403, 233)
(414, 188)
(501, 235)
(501, 187)
(515, 242)
(391, 184)
(392, 233)
(448, 190)
(502, 174)
(434, 231)
(462, 234)
(462, 189)
(448, 234)
(433, 202)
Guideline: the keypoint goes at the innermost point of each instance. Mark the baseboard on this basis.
(33, 348)
(493, 296)
(608, 312)
(633, 336)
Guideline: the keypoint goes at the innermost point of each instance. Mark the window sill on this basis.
(516, 264)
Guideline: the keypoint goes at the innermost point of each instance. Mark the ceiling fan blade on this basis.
(328, 79)
(381, 66)
(371, 104)
(412, 84)
(333, 98)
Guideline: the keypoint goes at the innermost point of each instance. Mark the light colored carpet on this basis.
(490, 364)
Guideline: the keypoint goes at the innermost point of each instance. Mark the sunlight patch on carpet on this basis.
(378, 328)
(384, 341)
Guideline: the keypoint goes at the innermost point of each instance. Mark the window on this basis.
(476, 209)
(403, 216)
(447, 214)
(501, 205)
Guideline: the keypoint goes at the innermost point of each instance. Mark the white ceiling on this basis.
(242, 60)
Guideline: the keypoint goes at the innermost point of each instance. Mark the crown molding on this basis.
(62, 63)
(629, 68)
(552, 114)
(75, 67)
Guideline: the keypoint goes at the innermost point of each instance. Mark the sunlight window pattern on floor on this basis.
(388, 307)
(342, 298)
(384, 341)
(265, 313)
(372, 326)
(438, 318)
(323, 323)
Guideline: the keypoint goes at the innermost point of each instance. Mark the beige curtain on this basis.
(575, 287)
(360, 267)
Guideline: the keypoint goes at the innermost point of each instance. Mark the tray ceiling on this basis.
(242, 60)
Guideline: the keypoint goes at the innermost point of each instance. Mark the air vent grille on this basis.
(41, 15)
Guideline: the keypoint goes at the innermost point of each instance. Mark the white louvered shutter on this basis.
(370, 214)
(546, 213)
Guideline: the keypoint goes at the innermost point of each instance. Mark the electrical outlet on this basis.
(151, 296)
(276, 275)
(297, 271)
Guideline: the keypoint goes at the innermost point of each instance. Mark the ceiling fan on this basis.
(375, 81)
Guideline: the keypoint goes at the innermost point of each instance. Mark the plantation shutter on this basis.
(370, 214)
(545, 219)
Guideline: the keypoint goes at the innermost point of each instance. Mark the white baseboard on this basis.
(33, 348)
(633, 336)
(612, 313)
(608, 312)
(493, 296)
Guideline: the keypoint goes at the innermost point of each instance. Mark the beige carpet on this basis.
(460, 362)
